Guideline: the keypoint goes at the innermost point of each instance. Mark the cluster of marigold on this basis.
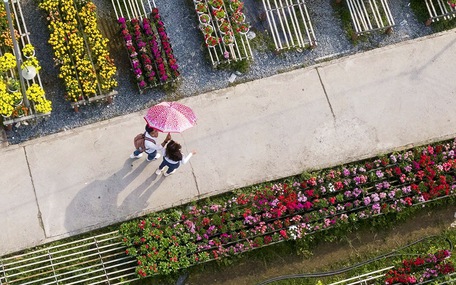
(289, 211)
(151, 63)
(77, 63)
(421, 269)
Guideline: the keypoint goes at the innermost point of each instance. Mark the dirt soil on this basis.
(248, 272)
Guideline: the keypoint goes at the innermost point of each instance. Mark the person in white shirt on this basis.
(151, 146)
(173, 158)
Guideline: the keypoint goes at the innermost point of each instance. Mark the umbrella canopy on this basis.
(170, 117)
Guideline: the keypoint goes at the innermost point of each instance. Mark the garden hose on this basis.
(342, 270)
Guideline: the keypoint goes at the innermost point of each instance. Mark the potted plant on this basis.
(219, 14)
(452, 3)
(238, 17)
(7, 62)
(20, 111)
(16, 98)
(207, 29)
(236, 5)
(201, 8)
(211, 41)
(28, 51)
(243, 28)
(216, 3)
(225, 27)
(31, 61)
(204, 18)
(35, 93)
(6, 110)
(228, 38)
(13, 84)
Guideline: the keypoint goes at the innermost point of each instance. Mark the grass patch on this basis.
(343, 13)
(421, 13)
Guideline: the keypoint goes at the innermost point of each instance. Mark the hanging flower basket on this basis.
(204, 18)
(212, 41)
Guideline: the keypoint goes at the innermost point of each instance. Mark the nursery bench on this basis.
(289, 23)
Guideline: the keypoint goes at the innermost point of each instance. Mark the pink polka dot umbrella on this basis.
(170, 117)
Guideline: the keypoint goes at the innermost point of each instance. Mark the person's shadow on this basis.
(101, 202)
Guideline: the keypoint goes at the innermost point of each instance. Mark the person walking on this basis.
(150, 145)
(173, 158)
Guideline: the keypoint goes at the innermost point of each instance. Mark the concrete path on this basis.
(325, 115)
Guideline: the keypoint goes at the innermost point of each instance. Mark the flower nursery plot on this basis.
(13, 107)
(370, 15)
(166, 242)
(80, 50)
(440, 10)
(224, 27)
(147, 43)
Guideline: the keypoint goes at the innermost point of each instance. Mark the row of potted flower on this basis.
(11, 98)
(220, 25)
(79, 49)
(150, 51)
(421, 269)
(165, 242)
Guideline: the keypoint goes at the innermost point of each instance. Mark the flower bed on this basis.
(12, 107)
(80, 50)
(149, 49)
(421, 269)
(168, 241)
(224, 30)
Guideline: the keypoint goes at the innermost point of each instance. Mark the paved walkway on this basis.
(333, 113)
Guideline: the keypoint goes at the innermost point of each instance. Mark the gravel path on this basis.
(197, 74)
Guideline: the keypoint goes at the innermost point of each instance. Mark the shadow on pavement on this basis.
(99, 203)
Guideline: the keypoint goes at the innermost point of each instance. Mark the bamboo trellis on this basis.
(439, 9)
(290, 24)
(370, 15)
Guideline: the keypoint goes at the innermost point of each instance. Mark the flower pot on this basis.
(206, 29)
(224, 28)
(204, 19)
(210, 42)
(220, 15)
(19, 102)
(30, 55)
(243, 29)
(228, 39)
(238, 17)
(236, 7)
(201, 8)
